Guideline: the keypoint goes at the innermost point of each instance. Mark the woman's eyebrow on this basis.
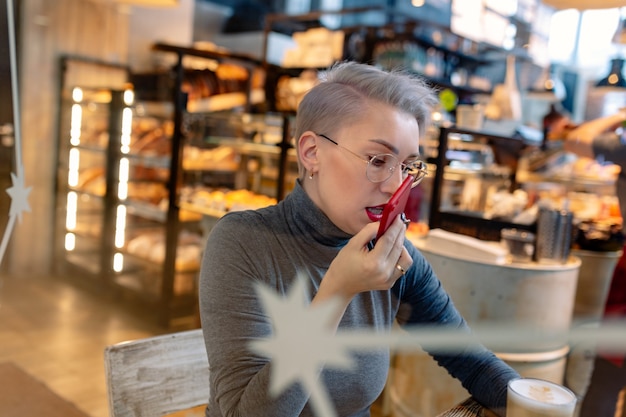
(392, 148)
(386, 144)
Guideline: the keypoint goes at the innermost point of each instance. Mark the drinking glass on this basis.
(532, 397)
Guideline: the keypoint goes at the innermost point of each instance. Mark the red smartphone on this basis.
(395, 206)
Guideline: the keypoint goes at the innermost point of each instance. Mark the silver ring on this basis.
(399, 268)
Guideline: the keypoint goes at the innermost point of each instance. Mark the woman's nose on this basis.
(394, 181)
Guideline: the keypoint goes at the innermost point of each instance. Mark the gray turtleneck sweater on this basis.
(271, 246)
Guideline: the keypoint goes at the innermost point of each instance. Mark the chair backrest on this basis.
(158, 375)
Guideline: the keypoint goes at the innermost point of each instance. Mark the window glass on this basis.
(594, 49)
(562, 41)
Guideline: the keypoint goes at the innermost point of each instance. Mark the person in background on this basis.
(357, 138)
(601, 139)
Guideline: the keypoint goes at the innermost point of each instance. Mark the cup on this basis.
(531, 397)
(521, 244)
(554, 236)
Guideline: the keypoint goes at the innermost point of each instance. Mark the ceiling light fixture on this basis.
(584, 4)
(150, 3)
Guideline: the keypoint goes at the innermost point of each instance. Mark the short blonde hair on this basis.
(341, 96)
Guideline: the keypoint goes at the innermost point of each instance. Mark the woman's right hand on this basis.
(357, 269)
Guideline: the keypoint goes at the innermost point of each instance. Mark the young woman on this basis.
(357, 137)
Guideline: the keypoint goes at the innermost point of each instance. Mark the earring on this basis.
(311, 175)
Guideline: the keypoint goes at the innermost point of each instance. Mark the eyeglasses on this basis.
(382, 166)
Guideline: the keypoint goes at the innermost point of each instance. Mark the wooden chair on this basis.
(158, 375)
(165, 374)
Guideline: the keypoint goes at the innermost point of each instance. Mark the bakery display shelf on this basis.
(153, 178)
(138, 224)
(206, 53)
(191, 119)
(212, 170)
(149, 160)
(87, 195)
(469, 221)
(91, 147)
(86, 230)
(204, 210)
(155, 213)
(245, 147)
(146, 210)
(87, 201)
(232, 141)
(115, 150)
(153, 109)
(443, 83)
(88, 213)
(86, 240)
(588, 181)
(227, 101)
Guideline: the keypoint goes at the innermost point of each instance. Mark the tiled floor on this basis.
(57, 333)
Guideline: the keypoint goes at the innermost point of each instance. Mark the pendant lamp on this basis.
(615, 78)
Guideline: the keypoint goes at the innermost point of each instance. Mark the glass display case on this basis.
(114, 173)
(142, 181)
(475, 166)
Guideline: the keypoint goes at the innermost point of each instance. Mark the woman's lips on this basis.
(375, 213)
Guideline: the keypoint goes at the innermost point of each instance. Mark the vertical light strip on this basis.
(120, 226)
(75, 124)
(71, 209)
(127, 126)
(70, 242)
(122, 185)
(77, 94)
(129, 97)
(118, 262)
(73, 167)
(76, 116)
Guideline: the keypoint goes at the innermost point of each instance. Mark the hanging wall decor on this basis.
(18, 192)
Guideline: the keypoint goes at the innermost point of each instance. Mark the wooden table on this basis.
(468, 408)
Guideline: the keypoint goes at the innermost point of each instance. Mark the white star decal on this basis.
(302, 342)
(18, 194)
(19, 204)
(19, 197)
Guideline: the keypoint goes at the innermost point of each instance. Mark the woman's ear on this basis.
(307, 149)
